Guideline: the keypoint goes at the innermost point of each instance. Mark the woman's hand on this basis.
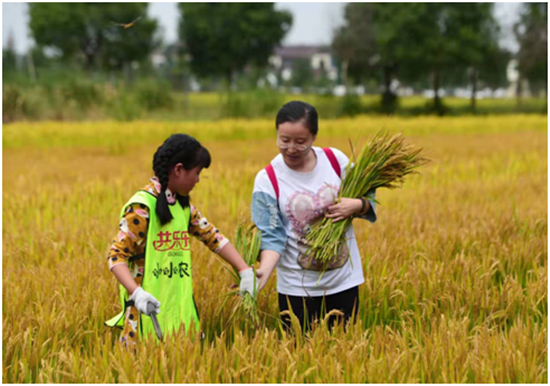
(268, 261)
(263, 275)
(346, 208)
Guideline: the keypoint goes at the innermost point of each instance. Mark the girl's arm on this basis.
(249, 282)
(215, 240)
(230, 254)
(207, 233)
(122, 273)
(130, 241)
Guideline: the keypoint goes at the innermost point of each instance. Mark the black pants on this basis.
(307, 309)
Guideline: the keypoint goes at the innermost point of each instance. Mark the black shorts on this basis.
(307, 309)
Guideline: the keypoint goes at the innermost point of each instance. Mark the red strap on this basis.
(273, 179)
(332, 158)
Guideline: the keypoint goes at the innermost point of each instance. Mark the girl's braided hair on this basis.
(178, 148)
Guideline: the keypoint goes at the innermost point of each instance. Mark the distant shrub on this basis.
(251, 104)
(124, 107)
(11, 103)
(19, 103)
(153, 94)
(266, 102)
(83, 93)
(235, 105)
(350, 105)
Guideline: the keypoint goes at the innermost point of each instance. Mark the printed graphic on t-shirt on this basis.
(305, 209)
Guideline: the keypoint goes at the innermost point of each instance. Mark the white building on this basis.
(319, 57)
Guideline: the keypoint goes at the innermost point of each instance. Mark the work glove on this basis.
(141, 298)
(249, 282)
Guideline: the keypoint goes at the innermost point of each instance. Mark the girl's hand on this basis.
(346, 208)
(249, 283)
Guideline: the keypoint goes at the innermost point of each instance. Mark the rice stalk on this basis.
(383, 163)
(247, 242)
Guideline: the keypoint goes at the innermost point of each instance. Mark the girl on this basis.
(297, 188)
(151, 254)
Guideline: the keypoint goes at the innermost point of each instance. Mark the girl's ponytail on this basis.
(161, 171)
(178, 148)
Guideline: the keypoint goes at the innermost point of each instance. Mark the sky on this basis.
(312, 25)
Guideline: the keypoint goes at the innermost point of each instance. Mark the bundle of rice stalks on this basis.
(383, 163)
(247, 242)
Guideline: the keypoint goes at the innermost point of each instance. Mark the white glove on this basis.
(249, 282)
(141, 298)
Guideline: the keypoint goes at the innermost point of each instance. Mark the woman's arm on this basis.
(351, 206)
(348, 207)
(267, 217)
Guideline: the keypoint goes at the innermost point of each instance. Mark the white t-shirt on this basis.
(303, 198)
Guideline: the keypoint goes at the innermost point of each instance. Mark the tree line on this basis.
(447, 44)
(455, 42)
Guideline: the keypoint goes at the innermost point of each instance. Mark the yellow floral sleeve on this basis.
(131, 237)
(200, 228)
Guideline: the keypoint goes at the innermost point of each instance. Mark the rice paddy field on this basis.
(456, 282)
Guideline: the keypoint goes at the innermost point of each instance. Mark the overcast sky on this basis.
(313, 22)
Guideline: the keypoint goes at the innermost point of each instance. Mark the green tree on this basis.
(95, 32)
(302, 74)
(415, 40)
(492, 70)
(366, 45)
(436, 39)
(427, 45)
(224, 37)
(475, 31)
(9, 57)
(355, 42)
(532, 34)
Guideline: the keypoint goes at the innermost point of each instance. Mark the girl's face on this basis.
(294, 141)
(183, 181)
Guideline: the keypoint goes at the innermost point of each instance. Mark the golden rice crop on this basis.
(455, 266)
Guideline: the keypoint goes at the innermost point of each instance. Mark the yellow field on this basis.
(455, 266)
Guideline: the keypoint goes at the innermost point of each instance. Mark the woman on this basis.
(298, 187)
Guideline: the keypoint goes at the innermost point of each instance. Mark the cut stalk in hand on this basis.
(247, 242)
(383, 163)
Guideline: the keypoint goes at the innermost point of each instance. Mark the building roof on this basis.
(302, 51)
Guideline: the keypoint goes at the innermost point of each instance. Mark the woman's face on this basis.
(294, 141)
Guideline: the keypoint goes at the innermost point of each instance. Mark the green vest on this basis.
(167, 272)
